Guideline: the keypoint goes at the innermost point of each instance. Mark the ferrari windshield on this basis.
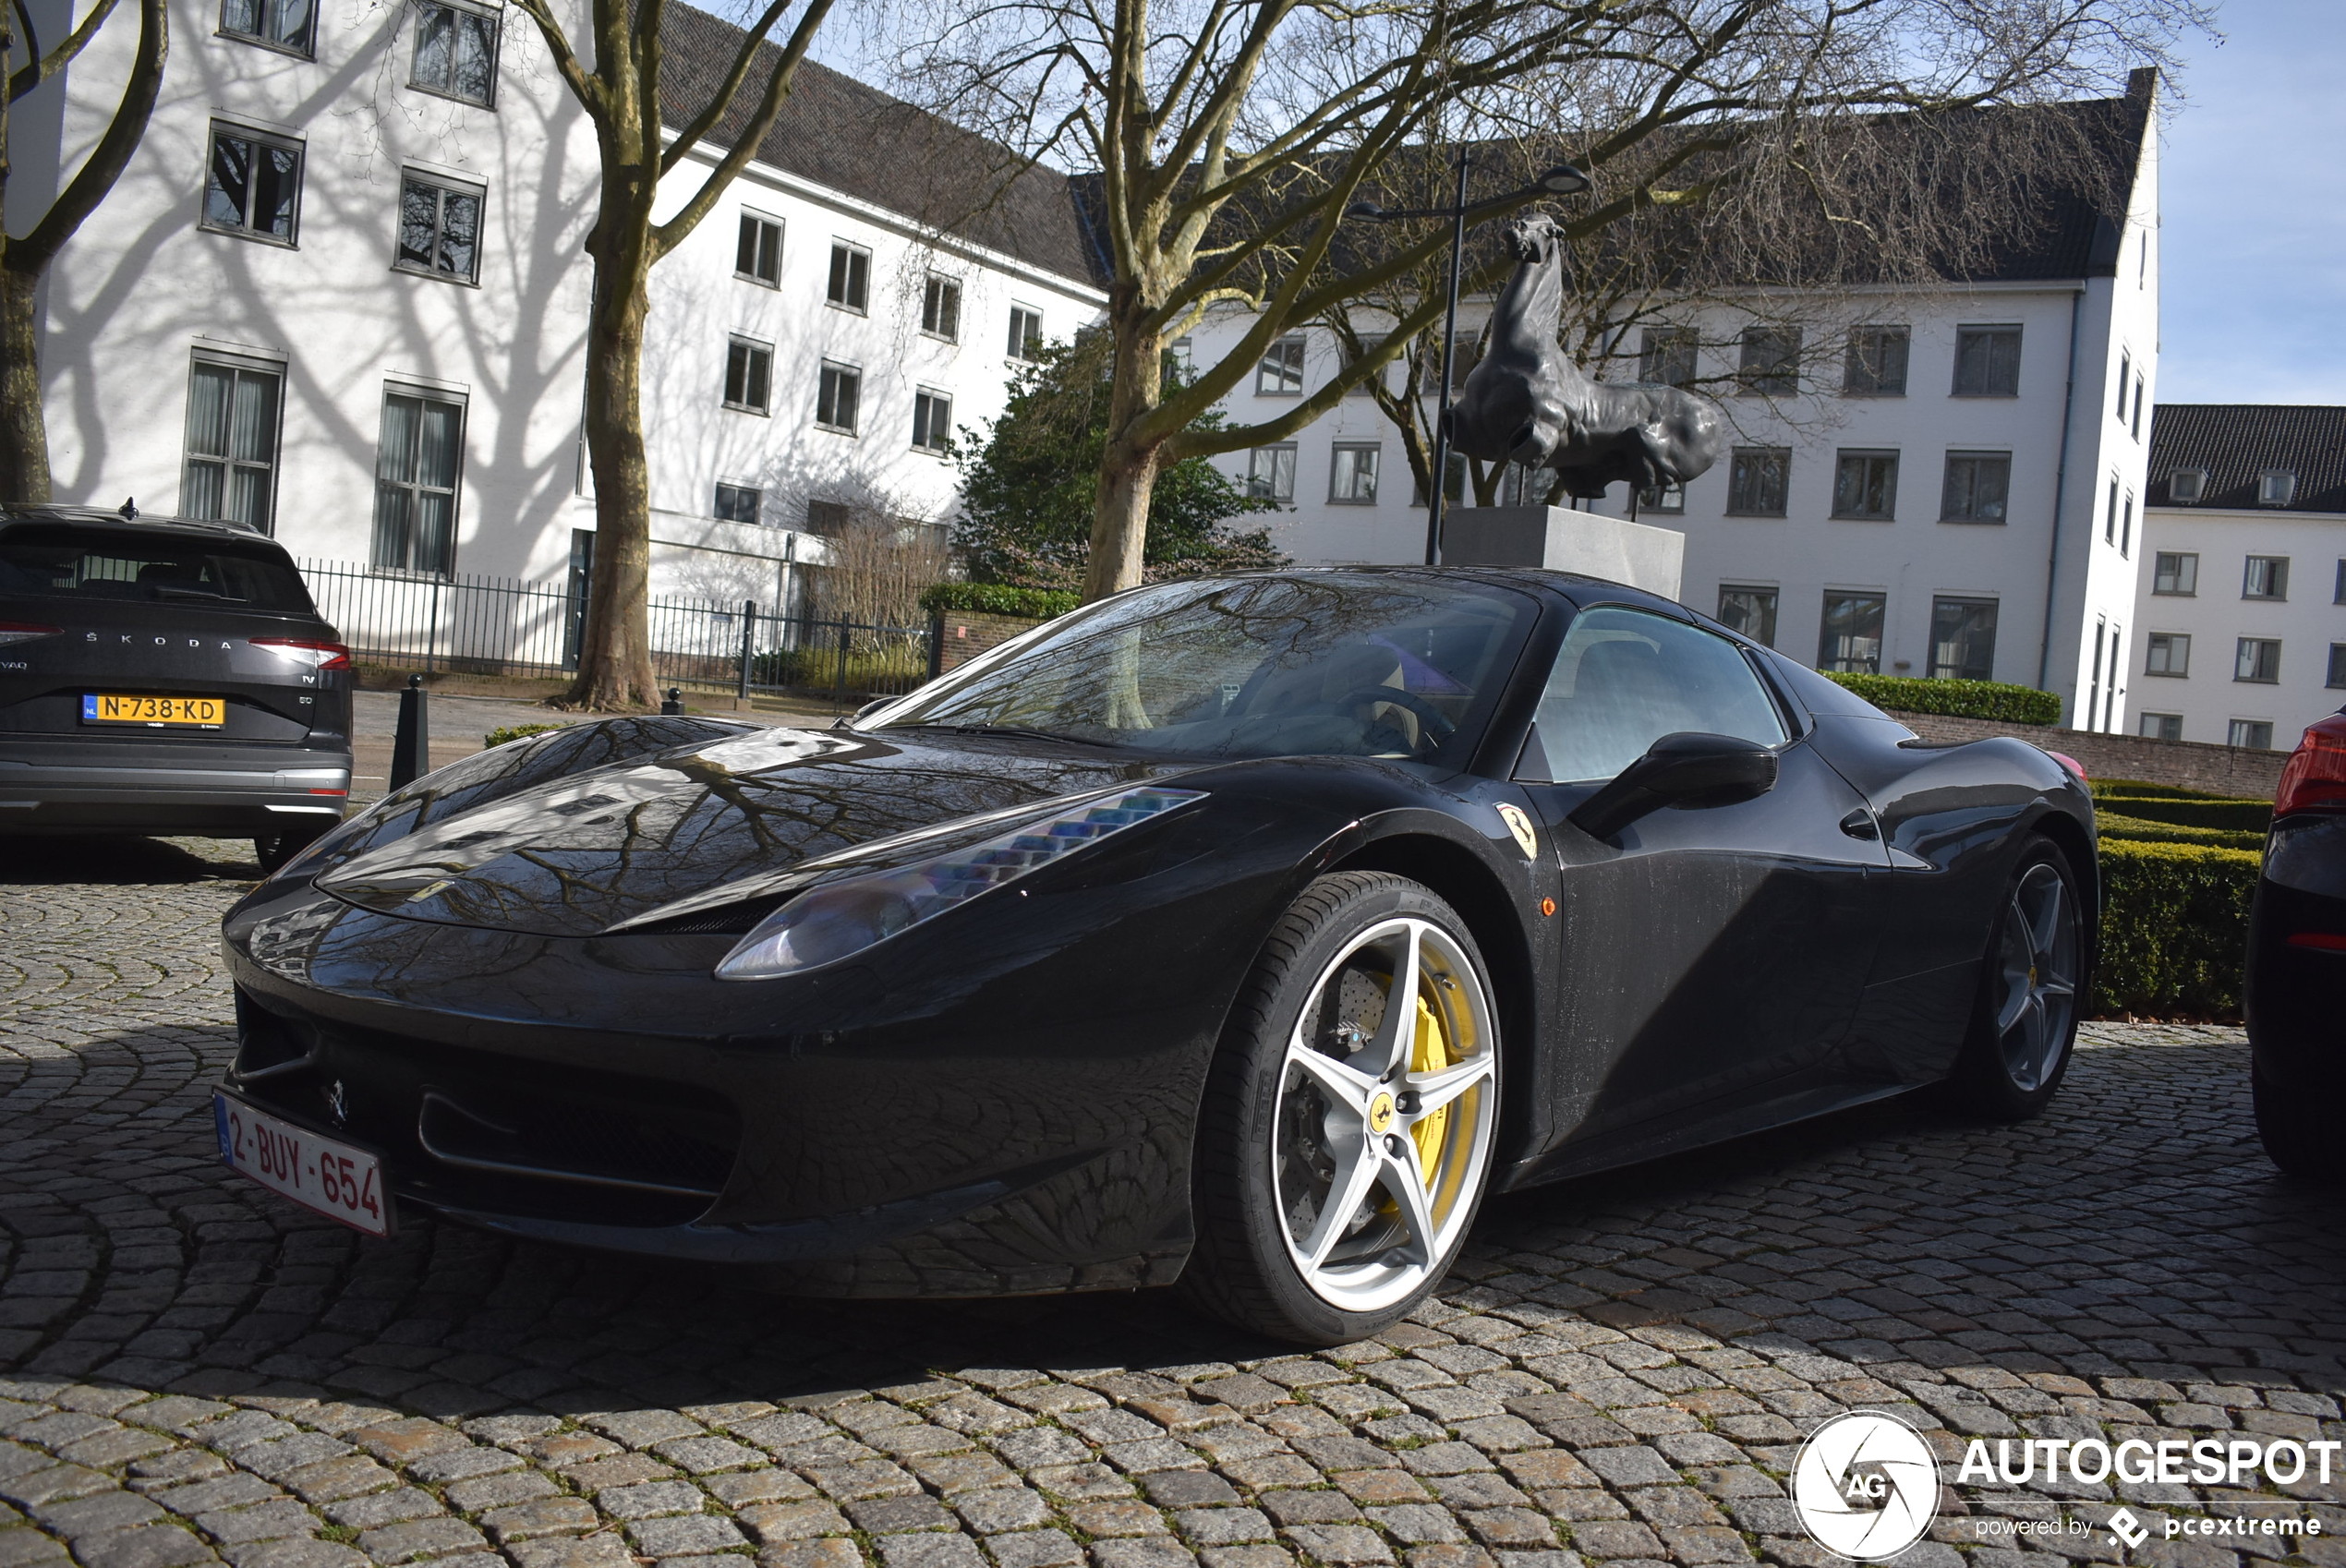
(1312, 664)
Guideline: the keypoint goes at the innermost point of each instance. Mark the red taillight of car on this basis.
(2072, 764)
(25, 630)
(318, 656)
(2315, 776)
(2320, 941)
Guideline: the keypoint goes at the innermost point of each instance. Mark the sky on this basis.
(2253, 210)
(2252, 199)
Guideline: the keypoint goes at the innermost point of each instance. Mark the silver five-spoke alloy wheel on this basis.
(1386, 1101)
(2038, 966)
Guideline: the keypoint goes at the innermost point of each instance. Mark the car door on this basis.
(1709, 949)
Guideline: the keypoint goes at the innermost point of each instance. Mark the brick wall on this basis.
(2193, 764)
(964, 635)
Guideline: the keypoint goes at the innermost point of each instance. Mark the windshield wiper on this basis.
(163, 590)
(1020, 731)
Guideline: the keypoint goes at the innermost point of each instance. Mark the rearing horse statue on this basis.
(1528, 402)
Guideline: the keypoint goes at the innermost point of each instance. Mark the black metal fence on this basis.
(505, 626)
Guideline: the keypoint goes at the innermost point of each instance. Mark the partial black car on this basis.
(2297, 960)
(165, 676)
(1239, 932)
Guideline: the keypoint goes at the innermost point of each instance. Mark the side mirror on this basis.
(1684, 769)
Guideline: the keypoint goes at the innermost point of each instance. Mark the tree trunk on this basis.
(1127, 470)
(24, 433)
(614, 655)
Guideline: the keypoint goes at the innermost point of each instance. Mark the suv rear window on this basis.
(60, 560)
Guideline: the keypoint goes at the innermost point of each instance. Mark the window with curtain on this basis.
(1771, 360)
(455, 52)
(1977, 485)
(1270, 472)
(417, 472)
(1987, 362)
(281, 24)
(1757, 480)
(1962, 639)
(439, 229)
(232, 443)
(1865, 485)
(1850, 638)
(1877, 363)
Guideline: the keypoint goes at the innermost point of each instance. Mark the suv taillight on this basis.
(24, 632)
(2315, 776)
(318, 656)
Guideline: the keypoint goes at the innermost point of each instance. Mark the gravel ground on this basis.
(1617, 1376)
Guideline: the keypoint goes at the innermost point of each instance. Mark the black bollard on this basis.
(411, 752)
(673, 707)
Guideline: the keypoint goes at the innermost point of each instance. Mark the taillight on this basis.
(316, 656)
(2072, 764)
(2315, 776)
(24, 632)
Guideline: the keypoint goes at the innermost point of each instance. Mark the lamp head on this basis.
(1368, 209)
(1563, 180)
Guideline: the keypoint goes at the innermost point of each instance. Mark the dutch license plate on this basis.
(121, 707)
(339, 1180)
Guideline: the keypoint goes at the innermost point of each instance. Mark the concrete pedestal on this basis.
(1620, 551)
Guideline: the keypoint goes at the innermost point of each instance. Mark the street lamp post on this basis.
(1561, 180)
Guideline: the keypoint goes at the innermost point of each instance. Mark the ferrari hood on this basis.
(578, 855)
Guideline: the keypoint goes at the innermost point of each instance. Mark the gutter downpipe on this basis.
(2061, 490)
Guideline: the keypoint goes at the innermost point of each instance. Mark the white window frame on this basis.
(848, 286)
(751, 349)
(1026, 333)
(496, 22)
(838, 372)
(753, 222)
(243, 228)
(1337, 473)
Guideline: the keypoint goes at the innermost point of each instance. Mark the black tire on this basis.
(1240, 1269)
(274, 849)
(1997, 1078)
(2298, 1132)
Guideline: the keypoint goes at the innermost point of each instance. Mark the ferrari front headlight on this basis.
(835, 919)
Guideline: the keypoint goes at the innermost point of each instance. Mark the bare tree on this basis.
(1229, 136)
(24, 260)
(878, 563)
(621, 92)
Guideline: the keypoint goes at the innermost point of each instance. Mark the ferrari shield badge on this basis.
(1520, 825)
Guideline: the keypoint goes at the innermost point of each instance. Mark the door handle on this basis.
(1859, 824)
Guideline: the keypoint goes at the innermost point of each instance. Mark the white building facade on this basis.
(2241, 605)
(340, 293)
(1947, 484)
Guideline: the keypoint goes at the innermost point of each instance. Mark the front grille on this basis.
(471, 1129)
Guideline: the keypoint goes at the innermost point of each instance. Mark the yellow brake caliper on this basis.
(1431, 1053)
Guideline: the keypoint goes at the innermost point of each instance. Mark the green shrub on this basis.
(498, 737)
(2117, 788)
(2174, 928)
(1959, 699)
(999, 598)
(900, 666)
(2238, 816)
(2142, 830)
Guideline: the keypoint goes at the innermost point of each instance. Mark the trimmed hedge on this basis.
(2174, 929)
(2119, 789)
(999, 598)
(2237, 816)
(515, 732)
(1958, 699)
(2114, 824)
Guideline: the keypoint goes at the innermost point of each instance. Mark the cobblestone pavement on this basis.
(192, 1370)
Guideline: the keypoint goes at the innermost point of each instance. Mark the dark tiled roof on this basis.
(854, 139)
(2237, 441)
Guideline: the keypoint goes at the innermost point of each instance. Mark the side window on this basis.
(1625, 678)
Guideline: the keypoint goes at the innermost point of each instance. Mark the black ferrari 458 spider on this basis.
(1240, 932)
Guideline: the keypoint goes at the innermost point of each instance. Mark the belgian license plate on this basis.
(122, 707)
(339, 1180)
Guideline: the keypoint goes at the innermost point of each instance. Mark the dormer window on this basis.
(2187, 486)
(2276, 487)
